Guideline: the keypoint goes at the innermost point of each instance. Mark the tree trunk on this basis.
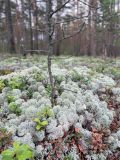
(35, 14)
(11, 42)
(94, 18)
(30, 27)
(58, 30)
(36, 33)
(50, 47)
(23, 28)
(89, 30)
(92, 28)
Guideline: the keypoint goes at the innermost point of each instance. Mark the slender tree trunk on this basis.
(50, 47)
(94, 18)
(35, 14)
(30, 27)
(17, 27)
(11, 42)
(23, 27)
(92, 28)
(58, 31)
(89, 30)
(36, 30)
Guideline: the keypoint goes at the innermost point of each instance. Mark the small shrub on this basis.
(68, 157)
(48, 89)
(17, 83)
(101, 68)
(2, 85)
(115, 72)
(40, 125)
(38, 77)
(14, 108)
(30, 93)
(76, 77)
(10, 98)
(58, 87)
(18, 152)
(46, 112)
(58, 79)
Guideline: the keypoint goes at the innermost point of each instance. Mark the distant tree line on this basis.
(78, 27)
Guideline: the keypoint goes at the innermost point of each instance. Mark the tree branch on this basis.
(58, 9)
(36, 51)
(71, 35)
(89, 5)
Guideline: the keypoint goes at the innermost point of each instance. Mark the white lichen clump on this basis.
(76, 105)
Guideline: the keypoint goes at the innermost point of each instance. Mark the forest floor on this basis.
(84, 124)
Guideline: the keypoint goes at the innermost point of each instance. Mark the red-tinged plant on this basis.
(97, 140)
(77, 130)
(81, 149)
(114, 156)
(70, 139)
(74, 139)
(5, 139)
(116, 122)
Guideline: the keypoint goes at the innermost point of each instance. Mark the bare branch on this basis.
(94, 7)
(36, 51)
(73, 19)
(58, 9)
(72, 34)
